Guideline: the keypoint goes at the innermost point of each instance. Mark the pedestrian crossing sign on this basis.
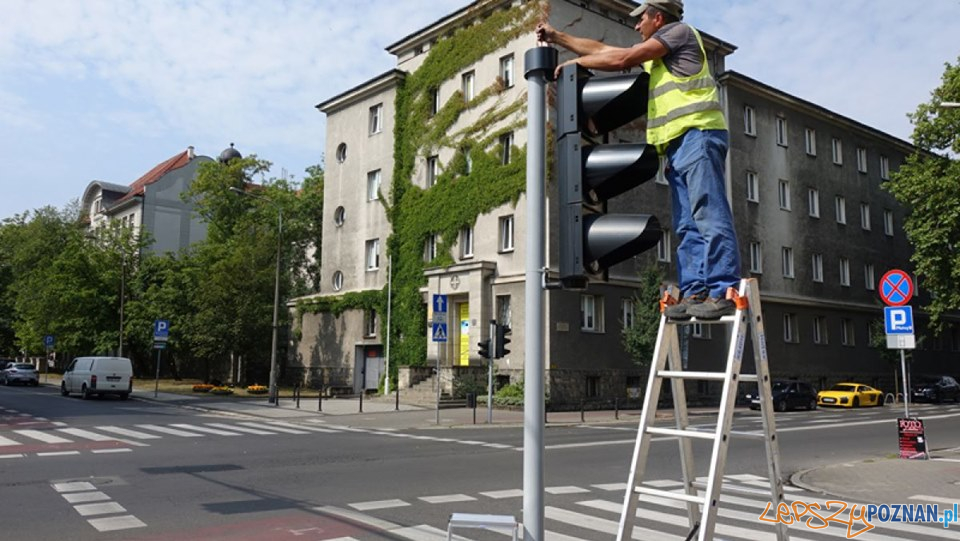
(439, 332)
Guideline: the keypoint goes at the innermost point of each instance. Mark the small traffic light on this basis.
(590, 173)
(485, 349)
(500, 349)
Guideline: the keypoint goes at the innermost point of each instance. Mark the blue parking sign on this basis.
(161, 330)
(898, 319)
(49, 341)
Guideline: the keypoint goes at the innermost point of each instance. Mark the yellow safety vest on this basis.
(676, 104)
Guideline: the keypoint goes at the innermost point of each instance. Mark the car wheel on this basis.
(812, 405)
(880, 401)
(84, 394)
(63, 389)
(124, 396)
(856, 401)
(937, 399)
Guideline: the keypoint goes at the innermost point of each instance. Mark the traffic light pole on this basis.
(539, 64)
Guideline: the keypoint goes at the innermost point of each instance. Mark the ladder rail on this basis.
(682, 423)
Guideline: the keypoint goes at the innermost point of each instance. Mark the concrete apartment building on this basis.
(814, 226)
(152, 203)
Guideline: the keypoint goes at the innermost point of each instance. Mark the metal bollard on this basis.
(396, 406)
(297, 390)
(361, 400)
(581, 412)
(320, 399)
(616, 409)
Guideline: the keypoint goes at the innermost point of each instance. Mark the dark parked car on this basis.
(788, 394)
(935, 389)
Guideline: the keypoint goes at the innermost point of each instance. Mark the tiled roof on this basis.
(176, 162)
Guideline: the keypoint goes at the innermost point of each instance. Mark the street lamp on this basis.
(123, 279)
(276, 292)
(950, 104)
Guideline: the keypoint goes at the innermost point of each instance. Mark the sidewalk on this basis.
(883, 480)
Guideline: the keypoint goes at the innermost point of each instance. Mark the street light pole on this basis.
(123, 278)
(276, 292)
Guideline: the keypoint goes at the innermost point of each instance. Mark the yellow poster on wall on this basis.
(465, 334)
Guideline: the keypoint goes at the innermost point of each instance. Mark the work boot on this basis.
(678, 312)
(712, 308)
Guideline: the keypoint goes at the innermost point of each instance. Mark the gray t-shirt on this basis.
(683, 58)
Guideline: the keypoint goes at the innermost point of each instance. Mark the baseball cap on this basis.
(673, 7)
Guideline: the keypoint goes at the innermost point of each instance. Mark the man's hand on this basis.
(556, 72)
(546, 33)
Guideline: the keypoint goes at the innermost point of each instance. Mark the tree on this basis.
(640, 339)
(928, 185)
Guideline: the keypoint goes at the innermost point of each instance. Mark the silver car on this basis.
(20, 373)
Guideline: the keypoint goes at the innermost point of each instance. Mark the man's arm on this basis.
(578, 45)
(597, 55)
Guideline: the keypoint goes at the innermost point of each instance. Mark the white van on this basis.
(98, 376)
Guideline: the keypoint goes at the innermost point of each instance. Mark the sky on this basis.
(106, 89)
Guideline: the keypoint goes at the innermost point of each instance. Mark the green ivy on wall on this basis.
(457, 198)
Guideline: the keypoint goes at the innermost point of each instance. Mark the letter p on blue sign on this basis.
(898, 319)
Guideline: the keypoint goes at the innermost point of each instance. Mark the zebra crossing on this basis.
(45, 438)
(593, 513)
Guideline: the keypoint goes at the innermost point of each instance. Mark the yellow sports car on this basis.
(850, 395)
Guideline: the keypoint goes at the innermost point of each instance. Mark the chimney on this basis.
(190, 153)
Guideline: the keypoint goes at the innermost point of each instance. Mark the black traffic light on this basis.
(485, 349)
(591, 172)
(500, 348)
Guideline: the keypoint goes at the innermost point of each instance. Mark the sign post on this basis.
(896, 290)
(161, 333)
(439, 336)
(48, 343)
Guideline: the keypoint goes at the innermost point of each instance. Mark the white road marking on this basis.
(109, 451)
(85, 497)
(7, 442)
(129, 433)
(449, 498)
(116, 523)
(205, 429)
(277, 428)
(42, 436)
(104, 508)
(77, 486)
(171, 431)
(565, 490)
(59, 453)
(272, 424)
(86, 434)
(501, 494)
(381, 504)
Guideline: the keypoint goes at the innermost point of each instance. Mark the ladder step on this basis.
(723, 319)
(698, 434)
(749, 435)
(710, 376)
(681, 496)
(737, 489)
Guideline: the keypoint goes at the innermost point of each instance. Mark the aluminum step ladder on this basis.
(702, 506)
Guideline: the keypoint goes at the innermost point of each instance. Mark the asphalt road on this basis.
(138, 470)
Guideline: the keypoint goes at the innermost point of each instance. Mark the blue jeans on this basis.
(708, 257)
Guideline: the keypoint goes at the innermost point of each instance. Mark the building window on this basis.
(865, 216)
(434, 95)
(466, 85)
(846, 332)
(341, 152)
(506, 233)
(339, 216)
(813, 202)
(376, 118)
(370, 323)
(784, 195)
(790, 328)
(869, 277)
(627, 313)
(841, 209)
(786, 257)
(373, 185)
(861, 159)
(97, 206)
(591, 313)
(664, 248)
(466, 243)
(844, 272)
(373, 254)
(504, 314)
(433, 170)
(781, 131)
(749, 121)
(756, 258)
(836, 148)
(888, 222)
(506, 70)
(430, 248)
(506, 142)
(819, 330)
(337, 281)
(810, 141)
(817, 262)
(468, 160)
(753, 187)
(700, 331)
(884, 168)
(591, 386)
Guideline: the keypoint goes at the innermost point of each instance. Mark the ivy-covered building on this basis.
(423, 195)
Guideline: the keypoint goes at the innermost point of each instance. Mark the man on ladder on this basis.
(685, 122)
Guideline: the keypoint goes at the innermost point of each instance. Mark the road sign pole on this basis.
(156, 383)
(906, 390)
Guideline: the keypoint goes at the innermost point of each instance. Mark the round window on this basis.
(337, 281)
(341, 152)
(339, 215)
